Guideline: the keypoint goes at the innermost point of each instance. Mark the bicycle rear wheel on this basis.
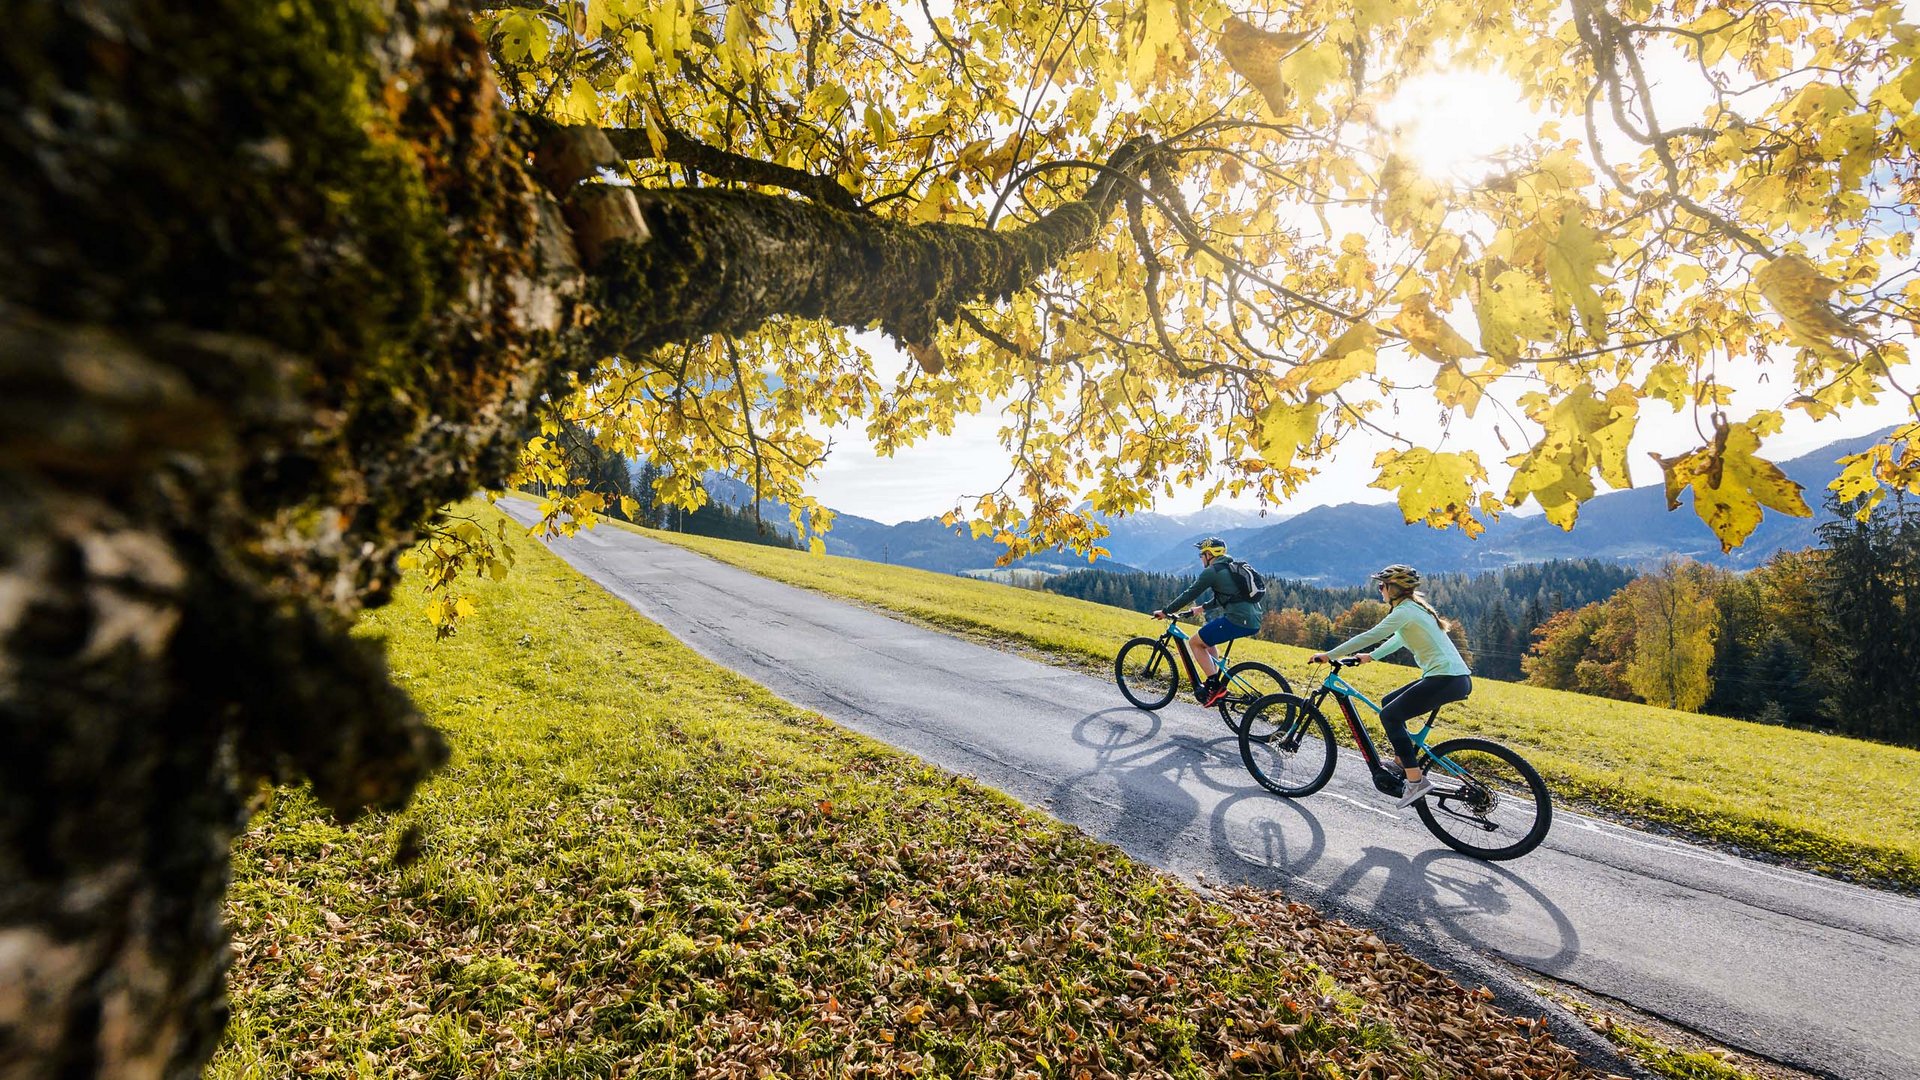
(1500, 808)
(1287, 745)
(1146, 672)
(1246, 684)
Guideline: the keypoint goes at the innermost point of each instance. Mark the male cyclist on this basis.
(1239, 616)
(1444, 676)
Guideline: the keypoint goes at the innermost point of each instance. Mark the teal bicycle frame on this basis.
(1388, 777)
(1175, 631)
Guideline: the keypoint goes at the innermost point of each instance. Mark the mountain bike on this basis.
(1491, 803)
(1149, 678)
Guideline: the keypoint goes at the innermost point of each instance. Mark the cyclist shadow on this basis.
(1138, 782)
(1456, 894)
(1265, 852)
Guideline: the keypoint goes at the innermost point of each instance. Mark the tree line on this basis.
(628, 489)
(1494, 614)
(1818, 638)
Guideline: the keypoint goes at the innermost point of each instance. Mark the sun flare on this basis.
(1455, 125)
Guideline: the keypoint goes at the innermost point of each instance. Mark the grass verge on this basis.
(1829, 804)
(1661, 1048)
(639, 864)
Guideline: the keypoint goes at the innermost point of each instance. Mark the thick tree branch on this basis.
(728, 261)
(681, 149)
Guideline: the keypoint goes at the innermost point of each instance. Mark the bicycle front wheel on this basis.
(1492, 804)
(1146, 673)
(1287, 745)
(1246, 684)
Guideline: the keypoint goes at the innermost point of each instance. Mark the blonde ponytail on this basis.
(1420, 598)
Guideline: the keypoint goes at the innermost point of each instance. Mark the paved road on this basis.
(1814, 973)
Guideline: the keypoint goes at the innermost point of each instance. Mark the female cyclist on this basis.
(1444, 676)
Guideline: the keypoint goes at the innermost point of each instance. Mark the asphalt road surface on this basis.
(1814, 973)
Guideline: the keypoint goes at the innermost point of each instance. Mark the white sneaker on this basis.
(1416, 791)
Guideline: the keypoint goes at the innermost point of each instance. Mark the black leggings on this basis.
(1415, 698)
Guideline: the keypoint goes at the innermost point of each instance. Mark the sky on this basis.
(930, 478)
(1450, 123)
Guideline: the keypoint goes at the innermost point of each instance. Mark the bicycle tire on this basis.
(1287, 744)
(1504, 795)
(1148, 678)
(1247, 683)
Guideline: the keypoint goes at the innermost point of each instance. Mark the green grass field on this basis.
(1832, 804)
(639, 864)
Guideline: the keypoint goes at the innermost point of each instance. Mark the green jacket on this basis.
(1225, 599)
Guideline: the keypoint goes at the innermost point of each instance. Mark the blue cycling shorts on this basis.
(1222, 629)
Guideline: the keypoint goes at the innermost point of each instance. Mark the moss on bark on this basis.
(273, 294)
(727, 261)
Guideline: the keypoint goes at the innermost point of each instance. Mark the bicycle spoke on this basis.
(1146, 673)
(1493, 806)
(1247, 683)
(1287, 745)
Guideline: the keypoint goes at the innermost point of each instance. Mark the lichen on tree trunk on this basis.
(280, 281)
(270, 297)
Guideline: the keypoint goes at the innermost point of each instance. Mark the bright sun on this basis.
(1453, 124)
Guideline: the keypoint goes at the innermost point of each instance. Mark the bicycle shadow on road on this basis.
(1484, 906)
(1279, 860)
(1135, 793)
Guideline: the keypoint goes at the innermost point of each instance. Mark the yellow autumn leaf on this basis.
(1158, 42)
(1410, 202)
(1799, 293)
(1255, 55)
(1581, 433)
(1284, 428)
(1857, 481)
(1731, 483)
(1346, 358)
(1574, 254)
(1513, 307)
(1436, 488)
(737, 43)
(1668, 382)
(1307, 70)
(1428, 333)
(1456, 386)
(672, 36)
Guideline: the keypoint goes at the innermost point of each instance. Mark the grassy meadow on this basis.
(639, 864)
(1832, 804)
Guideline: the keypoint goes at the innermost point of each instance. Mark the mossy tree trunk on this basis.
(280, 279)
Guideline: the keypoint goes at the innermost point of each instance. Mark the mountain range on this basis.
(1341, 545)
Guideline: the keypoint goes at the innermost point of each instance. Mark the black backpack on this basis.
(1253, 584)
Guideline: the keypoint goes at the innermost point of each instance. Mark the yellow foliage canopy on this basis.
(1272, 263)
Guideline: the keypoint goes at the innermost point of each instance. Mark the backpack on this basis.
(1253, 584)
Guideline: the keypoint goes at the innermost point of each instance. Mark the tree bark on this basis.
(279, 282)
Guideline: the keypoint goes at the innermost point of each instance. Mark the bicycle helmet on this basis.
(1212, 545)
(1399, 575)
